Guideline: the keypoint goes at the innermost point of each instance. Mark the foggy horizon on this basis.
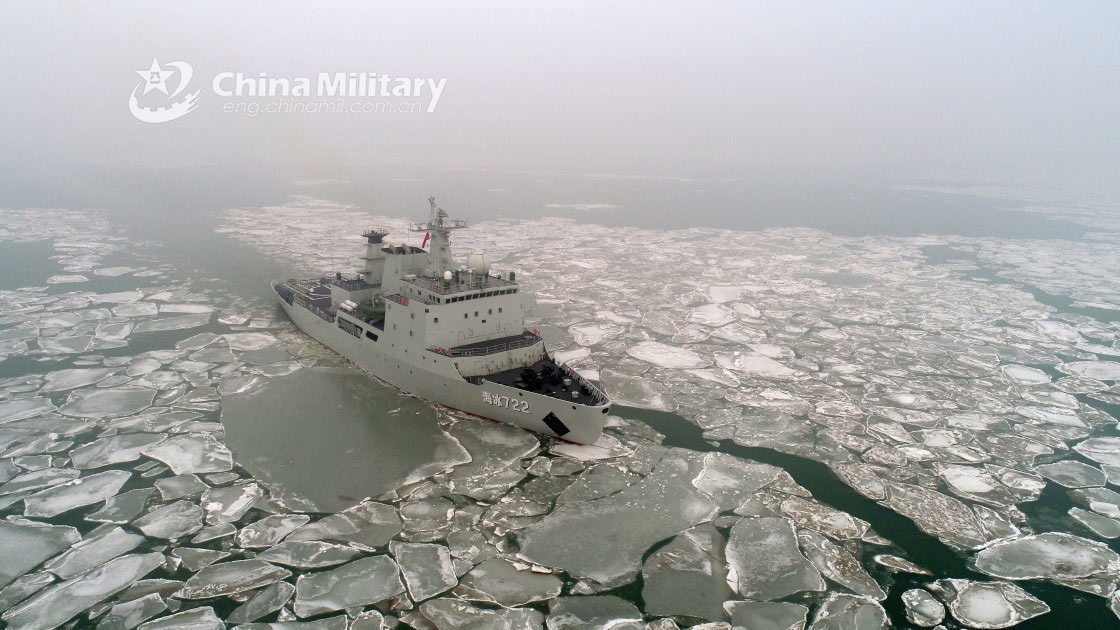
(997, 95)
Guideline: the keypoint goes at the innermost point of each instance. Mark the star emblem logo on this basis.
(155, 78)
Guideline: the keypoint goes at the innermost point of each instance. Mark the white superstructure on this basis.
(453, 334)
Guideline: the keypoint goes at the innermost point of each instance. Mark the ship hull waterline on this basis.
(449, 389)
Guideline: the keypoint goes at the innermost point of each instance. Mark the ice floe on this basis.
(688, 576)
(988, 604)
(427, 568)
(363, 581)
(667, 356)
(767, 564)
(922, 609)
(192, 453)
(56, 604)
(102, 403)
(559, 540)
(1056, 556)
(227, 578)
(25, 544)
(75, 494)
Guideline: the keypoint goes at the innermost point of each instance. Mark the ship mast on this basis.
(439, 229)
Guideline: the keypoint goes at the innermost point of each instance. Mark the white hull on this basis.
(436, 378)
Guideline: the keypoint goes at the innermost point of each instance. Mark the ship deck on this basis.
(541, 383)
(491, 346)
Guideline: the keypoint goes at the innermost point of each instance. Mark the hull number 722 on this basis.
(505, 401)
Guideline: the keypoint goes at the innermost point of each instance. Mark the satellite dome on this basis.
(447, 275)
(478, 263)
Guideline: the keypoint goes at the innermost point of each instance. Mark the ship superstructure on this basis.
(451, 333)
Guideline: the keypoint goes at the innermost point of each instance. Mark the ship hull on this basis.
(434, 377)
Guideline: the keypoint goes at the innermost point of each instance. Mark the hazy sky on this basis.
(988, 91)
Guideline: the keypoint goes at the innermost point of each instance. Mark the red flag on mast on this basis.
(426, 236)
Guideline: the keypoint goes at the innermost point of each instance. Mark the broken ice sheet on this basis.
(123, 507)
(824, 519)
(367, 526)
(666, 356)
(308, 554)
(179, 486)
(226, 578)
(171, 521)
(655, 508)
(95, 549)
(1056, 556)
(178, 322)
(426, 568)
(688, 576)
(763, 555)
(25, 544)
(74, 494)
(114, 449)
(838, 565)
(1102, 526)
(594, 612)
(21, 408)
(38, 479)
(452, 614)
(130, 614)
(63, 380)
(196, 559)
(498, 581)
(101, 403)
(1072, 474)
(228, 504)
(849, 612)
(358, 583)
(358, 437)
(922, 609)
(988, 604)
(192, 453)
(250, 340)
(768, 615)
(1099, 370)
(1103, 450)
(270, 530)
(202, 618)
(937, 514)
(56, 604)
(265, 601)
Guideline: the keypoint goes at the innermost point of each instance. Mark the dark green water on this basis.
(26, 264)
(1068, 606)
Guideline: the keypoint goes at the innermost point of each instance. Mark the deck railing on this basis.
(502, 346)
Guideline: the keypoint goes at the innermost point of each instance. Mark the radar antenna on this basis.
(439, 228)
